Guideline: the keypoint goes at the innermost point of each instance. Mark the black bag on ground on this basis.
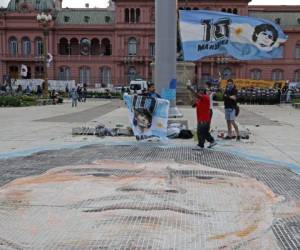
(185, 134)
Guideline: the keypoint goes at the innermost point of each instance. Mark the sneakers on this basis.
(197, 148)
(212, 144)
(238, 138)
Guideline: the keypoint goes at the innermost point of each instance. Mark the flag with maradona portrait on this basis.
(148, 116)
(206, 33)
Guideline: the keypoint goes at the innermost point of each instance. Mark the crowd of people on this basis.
(260, 96)
(77, 94)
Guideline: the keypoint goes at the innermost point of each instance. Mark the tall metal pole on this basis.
(45, 84)
(165, 51)
(44, 20)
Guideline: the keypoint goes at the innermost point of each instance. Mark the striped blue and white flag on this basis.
(205, 33)
(148, 116)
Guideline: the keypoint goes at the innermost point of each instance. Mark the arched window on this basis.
(64, 46)
(14, 72)
(39, 47)
(137, 15)
(152, 17)
(28, 73)
(131, 73)
(152, 49)
(195, 8)
(277, 75)
(229, 10)
(84, 75)
(235, 11)
(223, 10)
(85, 47)
(13, 46)
(126, 15)
(297, 75)
(132, 15)
(105, 76)
(26, 46)
(255, 74)
(132, 46)
(95, 47)
(64, 73)
(106, 47)
(188, 8)
(39, 72)
(74, 46)
(297, 52)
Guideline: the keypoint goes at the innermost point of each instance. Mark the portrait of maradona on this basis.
(126, 205)
(264, 36)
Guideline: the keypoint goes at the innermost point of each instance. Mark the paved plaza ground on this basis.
(60, 191)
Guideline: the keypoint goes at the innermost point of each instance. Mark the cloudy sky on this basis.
(103, 3)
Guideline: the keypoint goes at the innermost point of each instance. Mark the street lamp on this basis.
(44, 20)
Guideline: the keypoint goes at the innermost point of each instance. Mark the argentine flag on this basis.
(206, 33)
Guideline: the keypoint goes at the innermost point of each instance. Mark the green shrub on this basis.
(92, 94)
(17, 101)
(297, 100)
(10, 101)
(26, 98)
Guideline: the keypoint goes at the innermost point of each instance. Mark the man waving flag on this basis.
(206, 33)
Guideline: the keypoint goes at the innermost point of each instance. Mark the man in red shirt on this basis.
(202, 105)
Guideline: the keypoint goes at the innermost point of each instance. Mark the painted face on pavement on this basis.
(125, 205)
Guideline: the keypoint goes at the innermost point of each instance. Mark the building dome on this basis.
(38, 5)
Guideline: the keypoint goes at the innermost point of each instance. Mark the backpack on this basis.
(237, 110)
(185, 134)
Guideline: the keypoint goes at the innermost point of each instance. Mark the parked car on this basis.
(138, 86)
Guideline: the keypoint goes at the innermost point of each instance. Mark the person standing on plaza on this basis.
(79, 93)
(84, 94)
(211, 94)
(230, 103)
(202, 105)
(39, 91)
(151, 92)
(74, 97)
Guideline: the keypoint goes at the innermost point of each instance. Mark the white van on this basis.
(138, 86)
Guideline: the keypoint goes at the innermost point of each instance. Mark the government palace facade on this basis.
(101, 46)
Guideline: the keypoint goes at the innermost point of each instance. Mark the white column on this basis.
(165, 48)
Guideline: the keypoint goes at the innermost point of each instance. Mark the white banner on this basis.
(52, 84)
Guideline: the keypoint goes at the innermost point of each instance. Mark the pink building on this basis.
(116, 44)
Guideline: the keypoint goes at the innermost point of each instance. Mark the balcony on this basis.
(21, 58)
(133, 59)
(84, 58)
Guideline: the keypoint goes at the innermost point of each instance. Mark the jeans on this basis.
(204, 134)
(74, 102)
